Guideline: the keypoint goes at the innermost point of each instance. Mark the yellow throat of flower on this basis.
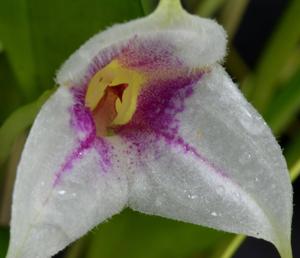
(112, 96)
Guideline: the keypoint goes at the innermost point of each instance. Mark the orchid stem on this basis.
(233, 246)
(169, 4)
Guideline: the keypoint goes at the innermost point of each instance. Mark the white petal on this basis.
(228, 174)
(199, 42)
(48, 213)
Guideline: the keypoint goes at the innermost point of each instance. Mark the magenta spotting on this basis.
(156, 118)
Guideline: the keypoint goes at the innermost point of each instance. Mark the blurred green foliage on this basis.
(284, 105)
(10, 97)
(3, 241)
(283, 42)
(37, 36)
(18, 122)
(134, 235)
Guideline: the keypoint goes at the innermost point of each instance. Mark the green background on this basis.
(37, 36)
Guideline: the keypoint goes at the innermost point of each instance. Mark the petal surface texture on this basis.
(193, 150)
(221, 167)
(48, 213)
(199, 41)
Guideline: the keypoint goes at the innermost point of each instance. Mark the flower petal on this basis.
(199, 42)
(62, 188)
(217, 164)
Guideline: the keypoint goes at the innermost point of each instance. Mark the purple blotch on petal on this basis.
(84, 128)
(156, 118)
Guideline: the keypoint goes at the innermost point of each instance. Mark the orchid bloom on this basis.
(145, 117)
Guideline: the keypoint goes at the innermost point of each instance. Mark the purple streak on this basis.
(83, 126)
(156, 118)
(169, 84)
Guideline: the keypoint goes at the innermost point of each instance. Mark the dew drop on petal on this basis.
(62, 192)
(245, 158)
(237, 196)
(192, 196)
(253, 124)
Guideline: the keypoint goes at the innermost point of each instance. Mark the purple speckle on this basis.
(84, 128)
(104, 149)
(149, 55)
(77, 154)
(100, 60)
(169, 84)
(156, 118)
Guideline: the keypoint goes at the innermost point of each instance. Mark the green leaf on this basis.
(291, 152)
(275, 56)
(135, 235)
(14, 32)
(39, 35)
(231, 16)
(4, 235)
(284, 107)
(232, 246)
(17, 122)
(148, 6)
(207, 8)
(295, 171)
(236, 66)
(10, 96)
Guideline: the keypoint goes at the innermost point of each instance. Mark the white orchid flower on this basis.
(146, 118)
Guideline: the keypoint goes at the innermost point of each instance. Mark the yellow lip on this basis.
(112, 75)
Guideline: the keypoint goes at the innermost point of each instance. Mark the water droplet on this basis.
(237, 196)
(214, 214)
(245, 157)
(192, 196)
(256, 179)
(74, 194)
(253, 124)
(248, 114)
(62, 192)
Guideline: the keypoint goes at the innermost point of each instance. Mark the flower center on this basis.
(112, 96)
